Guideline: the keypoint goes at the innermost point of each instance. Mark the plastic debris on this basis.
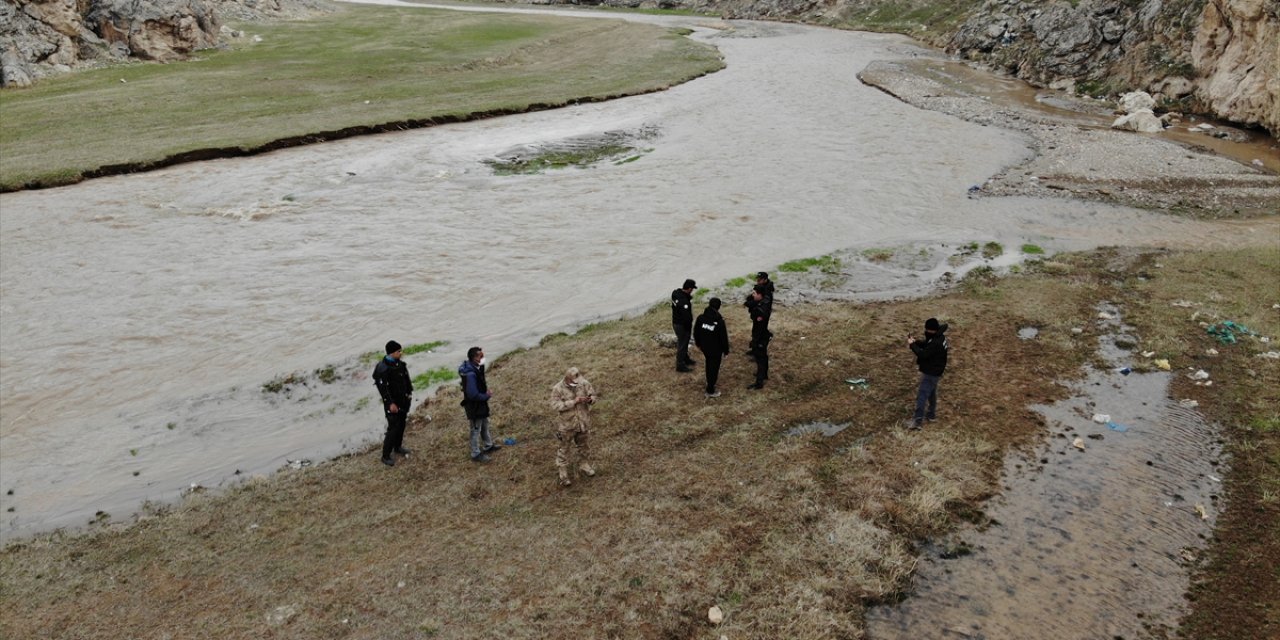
(1188, 403)
(1116, 426)
(1215, 479)
(1226, 331)
(858, 383)
(1185, 304)
(1211, 352)
(1274, 355)
(509, 441)
(1204, 515)
(1163, 364)
(1078, 443)
(1124, 371)
(1101, 418)
(1200, 374)
(715, 615)
(1103, 315)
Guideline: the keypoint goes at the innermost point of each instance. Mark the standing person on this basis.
(391, 377)
(712, 337)
(931, 358)
(573, 396)
(762, 280)
(682, 322)
(759, 307)
(475, 400)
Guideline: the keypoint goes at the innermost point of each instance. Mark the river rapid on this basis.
(141, 315)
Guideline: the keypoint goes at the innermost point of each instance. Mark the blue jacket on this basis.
(475, 391)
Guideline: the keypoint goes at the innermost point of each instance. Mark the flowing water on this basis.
(142, 315)
(1091, 535)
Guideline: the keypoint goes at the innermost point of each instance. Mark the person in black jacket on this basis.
(931, 358)
(391, 377)
(759, 307)
(712, 337)
(682, 323)
(762, 280)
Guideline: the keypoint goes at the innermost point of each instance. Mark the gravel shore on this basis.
(1074, 152)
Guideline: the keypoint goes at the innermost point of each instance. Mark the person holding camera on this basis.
(931, 358)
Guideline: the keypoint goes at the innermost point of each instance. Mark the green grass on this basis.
(580, 158)
(992, 250)
(424, 346)
(1031, 249)
(430, 377)
(825, 264)
(358, 70)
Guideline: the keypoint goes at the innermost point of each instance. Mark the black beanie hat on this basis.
(392, 346)
(931, 324)
(714, 303)
(689, 284)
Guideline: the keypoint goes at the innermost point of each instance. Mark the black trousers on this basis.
(762, 356)
(682, 345)
(395, 428)
(713, 369)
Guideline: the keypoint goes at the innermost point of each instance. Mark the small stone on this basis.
(715, 615)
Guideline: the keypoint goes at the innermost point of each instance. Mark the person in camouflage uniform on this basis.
(573, 396)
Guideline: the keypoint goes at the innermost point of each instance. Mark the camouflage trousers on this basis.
(572, 435)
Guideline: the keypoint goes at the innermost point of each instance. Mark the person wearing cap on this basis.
(759, 309)
(391, 377)
(762, 280)
(682, 323)
(572, 397)
(931, 358)
(712, 337)
(475, 401)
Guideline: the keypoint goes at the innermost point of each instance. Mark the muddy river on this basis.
(142, 315)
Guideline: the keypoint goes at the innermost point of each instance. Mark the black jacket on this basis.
(391, 377)
(760, 311)
(710, 333)
(931, 353)
(681, 308)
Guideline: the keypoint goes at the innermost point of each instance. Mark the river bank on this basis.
(696, 503)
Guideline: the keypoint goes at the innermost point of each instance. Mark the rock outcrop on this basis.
(43, 37)
(39, 37)
(1237, 54)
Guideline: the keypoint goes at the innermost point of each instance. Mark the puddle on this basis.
(1091, 536)
(1027, 333)
(825, 428)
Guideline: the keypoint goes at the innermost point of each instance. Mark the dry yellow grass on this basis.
(697, 503)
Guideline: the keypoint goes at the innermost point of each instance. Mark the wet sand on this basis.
(143, 314)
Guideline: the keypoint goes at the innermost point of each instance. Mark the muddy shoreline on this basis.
(1074, 153)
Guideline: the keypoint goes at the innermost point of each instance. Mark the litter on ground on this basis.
(1163, 364)
(1101, 418)
(1188, 403)
(1226, 331)
(1116, 426)
(1078, 443)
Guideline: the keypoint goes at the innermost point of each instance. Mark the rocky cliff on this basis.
(43, 37)
(39, 37)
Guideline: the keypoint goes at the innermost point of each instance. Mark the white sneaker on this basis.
(713, 395)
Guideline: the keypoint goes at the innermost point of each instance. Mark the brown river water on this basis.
(141, 315)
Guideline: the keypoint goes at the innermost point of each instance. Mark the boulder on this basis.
(1136, 101)
(1142, 120)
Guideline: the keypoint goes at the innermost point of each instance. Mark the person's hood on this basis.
(467, 367)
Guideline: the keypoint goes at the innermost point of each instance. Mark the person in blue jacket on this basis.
(475, 400)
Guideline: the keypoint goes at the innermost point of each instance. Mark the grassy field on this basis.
(697, 503)
(357, 70)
